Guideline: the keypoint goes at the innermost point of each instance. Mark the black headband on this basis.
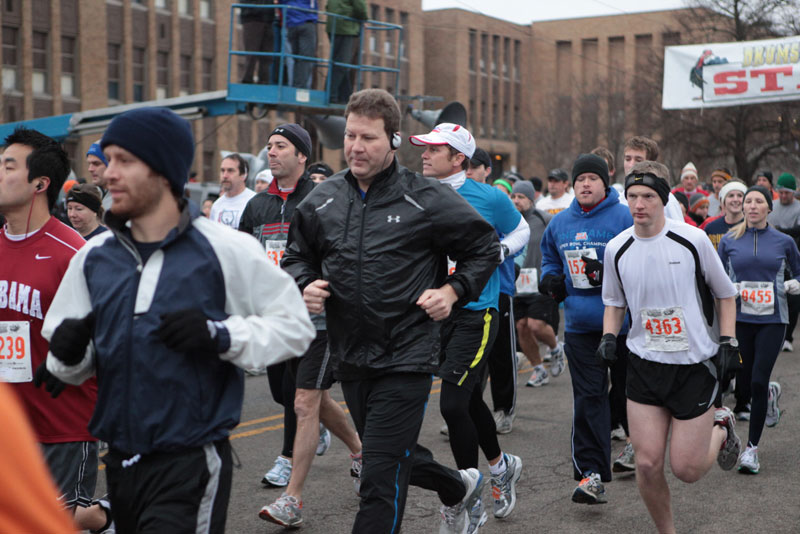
(648, 179)
(87, 199)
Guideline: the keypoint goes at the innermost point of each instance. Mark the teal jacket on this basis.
(356, 9)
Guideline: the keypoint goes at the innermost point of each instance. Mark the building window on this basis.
(41, 83)
(162, 4)
(10, 59)
(205, 9)
(68, 67)
(162, 75)
(184, 7)
(208, 74)
(389, 36)
(516, 60)
(495, 52)
(403, 34)
(506, 56)
(114, 71)
(484, 52)
(473, 38)
(186, 75)
(139, 69)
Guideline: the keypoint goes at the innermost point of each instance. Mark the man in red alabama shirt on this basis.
(36, 249)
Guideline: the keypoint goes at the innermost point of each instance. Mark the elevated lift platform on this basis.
(255, 98)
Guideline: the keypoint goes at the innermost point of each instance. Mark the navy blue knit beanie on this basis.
(157, 136)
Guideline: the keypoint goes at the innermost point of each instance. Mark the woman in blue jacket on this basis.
(757, 258)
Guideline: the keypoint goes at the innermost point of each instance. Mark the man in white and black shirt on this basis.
(676, 352)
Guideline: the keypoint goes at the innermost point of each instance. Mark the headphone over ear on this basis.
(39, 186)
(396, 141)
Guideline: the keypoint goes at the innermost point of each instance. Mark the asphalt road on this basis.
(722, 502)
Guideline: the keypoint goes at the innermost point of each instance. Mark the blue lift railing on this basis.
(277, 91)
(238, 95)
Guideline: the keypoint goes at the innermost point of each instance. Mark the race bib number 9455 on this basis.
(665, 329)
(15, 351)
(758, 298)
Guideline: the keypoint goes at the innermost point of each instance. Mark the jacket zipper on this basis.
(755, 241)
(360, 259)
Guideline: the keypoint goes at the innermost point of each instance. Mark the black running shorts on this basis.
(687, 391)
(313, 370)
(467, 339)
(537, 306)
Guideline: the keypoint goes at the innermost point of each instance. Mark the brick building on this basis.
(536, 94)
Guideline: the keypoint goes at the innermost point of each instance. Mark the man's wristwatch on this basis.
(732, 341)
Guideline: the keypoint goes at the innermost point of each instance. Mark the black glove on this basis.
(554, 286)
(728, 359)
(607, 351)
(52, 384)
(70, 339)
(187, 331)
(594, 271)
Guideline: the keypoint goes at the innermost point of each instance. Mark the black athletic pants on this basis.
(503, 359)
(282, 386)
(759, 345)
(181, 492)
(388, 412)
(591, 422)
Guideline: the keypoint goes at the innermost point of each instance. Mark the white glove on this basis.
(792, 286)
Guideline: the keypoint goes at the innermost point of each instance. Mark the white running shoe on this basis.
(503, 421)
(324, 440)
(558, 365)
(539, 377)
(787, 346)
(748, 461)
(279, 474)
(729, 451)
(455, 519)
(773, 412)
(504, 486)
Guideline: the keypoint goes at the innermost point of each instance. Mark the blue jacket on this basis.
(151, 398)
(574, 229)
(761, 256)
(295, 17)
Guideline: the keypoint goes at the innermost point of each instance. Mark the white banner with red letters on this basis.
(731, 74)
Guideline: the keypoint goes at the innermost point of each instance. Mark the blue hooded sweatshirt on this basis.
(575, 229)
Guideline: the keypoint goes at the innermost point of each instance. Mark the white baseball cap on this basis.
(264, 176)
(447, 133)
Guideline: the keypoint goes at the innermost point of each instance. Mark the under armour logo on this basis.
(393, 218)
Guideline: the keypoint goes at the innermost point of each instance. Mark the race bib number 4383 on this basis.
(665, 329)
(275, 251)
(15, 351)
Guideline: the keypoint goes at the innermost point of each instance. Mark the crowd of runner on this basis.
(136, 327)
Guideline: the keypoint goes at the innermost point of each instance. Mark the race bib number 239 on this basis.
(15, 351)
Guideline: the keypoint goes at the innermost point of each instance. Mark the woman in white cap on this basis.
(756, 257)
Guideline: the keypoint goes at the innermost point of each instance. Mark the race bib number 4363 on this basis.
(665, 329)
(15, 351)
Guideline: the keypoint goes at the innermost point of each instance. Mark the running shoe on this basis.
(742, 414)
(355, 472)
(504, 486)
(748, 461)
(286, 511)
(773, 412)
(787, 346)
(444, 430)
(626, 461)
(619, 433)
(324, 440)
(279, 474)
(477, 517)
(503, 421)
(729, 451)
(557, 357)
(590, 490)
(538, 378)
(455, 519)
